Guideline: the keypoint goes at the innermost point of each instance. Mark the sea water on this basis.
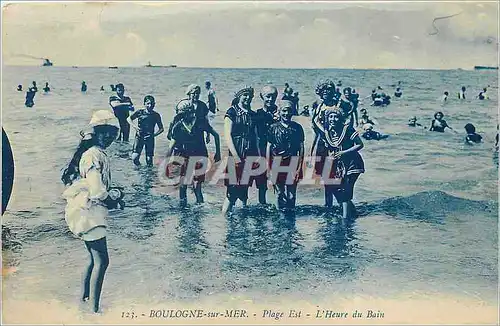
(428, 203)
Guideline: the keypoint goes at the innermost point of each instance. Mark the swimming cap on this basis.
(286, 104)
(268, 89)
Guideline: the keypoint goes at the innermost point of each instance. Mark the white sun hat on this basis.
(103, 117)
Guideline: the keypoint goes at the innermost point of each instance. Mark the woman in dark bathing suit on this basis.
(342, 143)
(439, 124)
(241, 137)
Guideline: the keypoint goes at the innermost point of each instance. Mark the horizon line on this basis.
(243, 68)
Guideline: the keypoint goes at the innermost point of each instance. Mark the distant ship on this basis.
(149, 65)
(485, 68)
(47, 63)
(113, 67)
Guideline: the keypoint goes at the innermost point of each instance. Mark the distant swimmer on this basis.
(295, 101)
(113, 87)
(30, 96)
(378, 100)
(398, 92)
(348, 108)
(354, 99)
(472, 137)
(461, 94)
(46, 89)
(84, 86)
(386, 99)
(439, 124)
(147, 120)
(121, 106)
(211, 99)
(365, 119)
(412, 122)
(101, 89)
(444, 98)
(374, 94)
(19, 88)
(370, 134)
(496, 140)
(305, 111)
(212, 103)
(287, 93)
(339, 83)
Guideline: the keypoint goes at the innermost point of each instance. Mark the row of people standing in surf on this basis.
(267, 132)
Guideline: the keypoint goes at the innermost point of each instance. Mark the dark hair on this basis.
(463, 88)
(150, 98)
(446, 93)
(72, 171)
(470, 128)
(120, 85)
(438, 113)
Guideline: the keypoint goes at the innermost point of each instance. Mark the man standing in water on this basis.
(148, 119)
(121, 106)
(30, 96)
(212, 103)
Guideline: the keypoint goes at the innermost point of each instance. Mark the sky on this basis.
(256, 34)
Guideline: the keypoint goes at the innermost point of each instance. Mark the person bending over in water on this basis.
(121, 106)
(439, 124)
(286, 140)
(370, 134)
(343, 144)
(145, 135)
(89, 196)
(187, 143)
(472, 137)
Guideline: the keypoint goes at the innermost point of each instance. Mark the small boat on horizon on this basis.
(149, 65)
(485, 68)
(113, 67)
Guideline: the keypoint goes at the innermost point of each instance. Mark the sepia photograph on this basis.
(250, 162)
